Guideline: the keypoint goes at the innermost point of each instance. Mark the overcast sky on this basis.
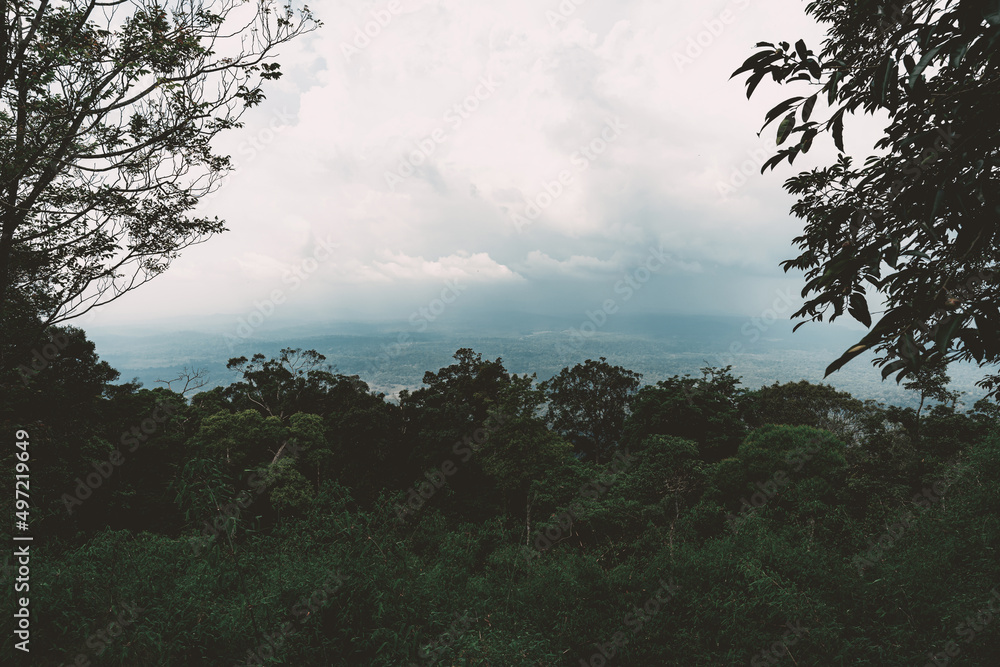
(519, 155)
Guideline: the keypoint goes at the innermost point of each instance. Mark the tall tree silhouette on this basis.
(107, 113)
(916, 225)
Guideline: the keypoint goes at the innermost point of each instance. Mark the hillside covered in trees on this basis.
(297, 518)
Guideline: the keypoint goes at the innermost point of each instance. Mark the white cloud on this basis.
(531, 98)
(461, 266)
(539, 264)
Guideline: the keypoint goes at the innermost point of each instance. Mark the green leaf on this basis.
(786, 128)
(859, 310)
(807, 108)
(758, 62)
(772, 162)
(992, 12)
(922, 65)
(947, 332)
(893, 367)
(938, 200)
(844, 358)
(753, 81)
(780, 109)
(959, 52)
(838, 130)
(892, 254)
(884, 327)
(831, 87)
(883, 79)
(748, 64)
(807, 139)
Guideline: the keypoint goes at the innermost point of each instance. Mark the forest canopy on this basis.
(296, 517)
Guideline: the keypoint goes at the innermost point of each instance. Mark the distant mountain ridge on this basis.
(391, 356)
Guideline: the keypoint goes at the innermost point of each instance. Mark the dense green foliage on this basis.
(915, 226)
(108, 111)
(296, 518)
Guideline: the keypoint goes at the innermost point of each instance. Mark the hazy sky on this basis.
(541, 156)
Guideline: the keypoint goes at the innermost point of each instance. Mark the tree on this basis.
(931, 381)
(59, 400)
(364, 450)
(453, 403)
(797, 468)
(446, 419)
(805, 404)
(107, 113)
(668, 475)
(242, 438)
(917, 225)
(521, 449)
(296, 381)
(703, 410)
(588, 404)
